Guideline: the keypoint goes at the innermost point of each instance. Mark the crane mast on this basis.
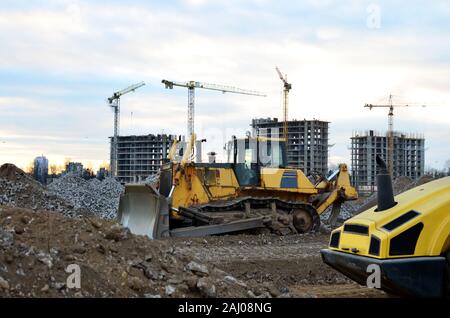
(286, 88)
(390, 134)
(114, 103)
(192, 85)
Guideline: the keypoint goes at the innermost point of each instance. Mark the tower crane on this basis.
(390, 148)
(287, 87)
(192, 85)
(114, 102)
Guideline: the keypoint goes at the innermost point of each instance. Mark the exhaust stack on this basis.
(385, 193)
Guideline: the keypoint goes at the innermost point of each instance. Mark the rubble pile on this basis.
(38, 249)
(17, 189)
(99, 197)
(348, 210)
(153, 179)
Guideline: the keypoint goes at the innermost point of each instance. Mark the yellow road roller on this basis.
(407, 238)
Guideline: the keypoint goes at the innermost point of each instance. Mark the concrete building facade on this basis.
(307, 146)
(141, 156)
(75, 168)
(40, 169)
(409, 157)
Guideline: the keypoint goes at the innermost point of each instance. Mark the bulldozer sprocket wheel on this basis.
(305, 219)
(302, 220)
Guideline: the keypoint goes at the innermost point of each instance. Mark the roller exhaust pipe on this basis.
(385, 193)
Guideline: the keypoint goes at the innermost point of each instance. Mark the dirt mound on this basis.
(423, 180)
(402, 184)
(10, 172)
(37, 248)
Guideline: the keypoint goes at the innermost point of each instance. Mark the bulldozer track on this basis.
(262, 207)
(262, 202)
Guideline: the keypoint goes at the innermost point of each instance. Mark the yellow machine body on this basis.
(412, 237)
(203, 183)
(253, 189)
(432, 203)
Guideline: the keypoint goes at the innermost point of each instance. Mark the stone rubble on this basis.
(69, 194)
(17, 189)
(347, 211)
(99, 197)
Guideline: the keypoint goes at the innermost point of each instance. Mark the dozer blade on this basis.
(144, 211)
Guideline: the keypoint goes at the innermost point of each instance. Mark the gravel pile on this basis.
(99, 197)
(348, 210)
(153, 179)
(17, 189)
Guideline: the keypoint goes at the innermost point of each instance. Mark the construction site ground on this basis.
(36, 248)
(287, 263)
(44, 230)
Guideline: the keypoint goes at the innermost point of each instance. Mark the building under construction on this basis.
(307, 145)
(140, 156)
(409, 157)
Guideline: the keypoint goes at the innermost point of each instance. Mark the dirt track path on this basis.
(350, 290)
(252, 253)
(291, 262)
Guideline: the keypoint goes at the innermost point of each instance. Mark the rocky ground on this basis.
(36, 248)
(287, 264)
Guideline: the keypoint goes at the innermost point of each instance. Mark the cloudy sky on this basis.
(61, 59)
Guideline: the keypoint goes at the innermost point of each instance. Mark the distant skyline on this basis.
(61, 59)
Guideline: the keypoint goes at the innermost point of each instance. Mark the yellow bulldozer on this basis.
(404, 240)
(254, 191)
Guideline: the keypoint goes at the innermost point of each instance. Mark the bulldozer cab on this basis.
(249, 155)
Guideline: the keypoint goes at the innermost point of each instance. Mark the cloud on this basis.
(196, 3)
(60, 60)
